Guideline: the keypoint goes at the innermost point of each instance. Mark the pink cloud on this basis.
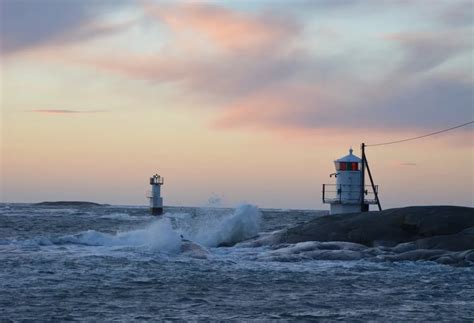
(255, 79)
(277, 106)
(253, 51)
(224, 28)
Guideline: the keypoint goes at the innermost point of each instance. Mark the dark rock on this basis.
(436, 227)
(454, 242)
(317, 251)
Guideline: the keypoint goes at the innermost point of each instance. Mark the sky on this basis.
(234, 101)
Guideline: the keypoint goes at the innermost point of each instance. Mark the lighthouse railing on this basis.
(348, 194)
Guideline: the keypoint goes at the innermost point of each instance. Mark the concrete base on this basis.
(347, 208)
(156, 210)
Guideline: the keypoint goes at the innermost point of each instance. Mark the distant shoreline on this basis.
(69, 203)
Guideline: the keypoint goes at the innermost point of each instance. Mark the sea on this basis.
(118, 263)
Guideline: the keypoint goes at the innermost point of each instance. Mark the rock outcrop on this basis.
(444, 234)
(392, 226)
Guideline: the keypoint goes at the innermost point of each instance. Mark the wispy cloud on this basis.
(28, 24)
(64, 111)
(233, 54)
(458, 14)
(262, 70)
(426, 50)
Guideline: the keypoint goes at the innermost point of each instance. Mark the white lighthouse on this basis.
(156, 201)
(348, 195)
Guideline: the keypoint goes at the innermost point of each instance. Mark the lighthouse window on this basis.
(347, 166)
(350, 166)
(342, 166)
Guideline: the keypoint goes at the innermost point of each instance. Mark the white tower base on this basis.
(346, 208)
(156, 201)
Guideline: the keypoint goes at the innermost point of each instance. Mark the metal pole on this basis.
(340, 193)
(362, 182)
(372, 182)
(324, 189)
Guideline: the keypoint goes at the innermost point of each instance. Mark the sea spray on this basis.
(213, 231)
(159, 235)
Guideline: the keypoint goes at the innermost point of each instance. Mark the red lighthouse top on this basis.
(348, 163)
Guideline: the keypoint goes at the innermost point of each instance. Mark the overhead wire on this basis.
(419, 137)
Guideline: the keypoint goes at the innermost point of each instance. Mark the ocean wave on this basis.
(120, 216)
(168, 233)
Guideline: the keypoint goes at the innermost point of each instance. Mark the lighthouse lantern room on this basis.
(348, 195)
(156, 201)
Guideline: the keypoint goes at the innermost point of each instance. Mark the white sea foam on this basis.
(157, 236)
(211, 230)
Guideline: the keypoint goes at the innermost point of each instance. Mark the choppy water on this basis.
(118, 263)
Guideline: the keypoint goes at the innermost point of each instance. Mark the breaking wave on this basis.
(166, 234)
(159, 235)
(213, 231)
